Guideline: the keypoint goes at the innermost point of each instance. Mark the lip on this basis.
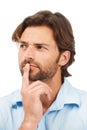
(32, 65)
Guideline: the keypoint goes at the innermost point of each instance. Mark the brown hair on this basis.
(62, 30)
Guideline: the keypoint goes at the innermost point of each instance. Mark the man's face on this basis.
(38, 48)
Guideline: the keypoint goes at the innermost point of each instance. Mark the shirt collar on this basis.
(68, 95)
(16, 100)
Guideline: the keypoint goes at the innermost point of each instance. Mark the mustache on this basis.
(29, 62)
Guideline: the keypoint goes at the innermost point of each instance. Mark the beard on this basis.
(44, 73)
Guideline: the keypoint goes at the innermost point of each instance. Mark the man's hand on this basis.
(31, 96)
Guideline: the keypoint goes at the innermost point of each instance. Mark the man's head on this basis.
(61, 32)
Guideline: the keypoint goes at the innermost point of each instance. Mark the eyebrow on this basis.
(20, 41)
(24, 42)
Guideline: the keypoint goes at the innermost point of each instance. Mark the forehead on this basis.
(38, 34)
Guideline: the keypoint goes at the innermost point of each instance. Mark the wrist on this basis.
(28, 125)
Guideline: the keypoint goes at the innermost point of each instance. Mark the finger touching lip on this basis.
(27, 67)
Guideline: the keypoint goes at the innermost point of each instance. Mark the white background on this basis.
(12, 12)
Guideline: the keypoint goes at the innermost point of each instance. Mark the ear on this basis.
(64, 58)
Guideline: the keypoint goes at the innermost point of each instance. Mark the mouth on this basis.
(32, 65)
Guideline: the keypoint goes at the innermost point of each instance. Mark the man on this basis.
(47, 100)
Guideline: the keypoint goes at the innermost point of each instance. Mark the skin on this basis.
(38, 55)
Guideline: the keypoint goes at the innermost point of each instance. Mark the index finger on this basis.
(25, 79)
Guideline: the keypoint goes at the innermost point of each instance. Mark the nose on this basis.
(29, 53)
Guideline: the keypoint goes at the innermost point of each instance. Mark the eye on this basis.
(22, 46)
(40, 46)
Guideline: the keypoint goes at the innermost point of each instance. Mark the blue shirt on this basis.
(67, 112)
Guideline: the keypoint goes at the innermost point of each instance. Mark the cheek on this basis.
(20, 57)
(47, 58)
(46, 61)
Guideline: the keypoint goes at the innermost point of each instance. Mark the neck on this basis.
(55, 84)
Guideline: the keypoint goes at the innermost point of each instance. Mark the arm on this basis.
(28, 126)
(31, 97)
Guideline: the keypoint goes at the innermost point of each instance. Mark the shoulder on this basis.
(10, 99)
(73, 91)
(7, 107)
(76, 100)
(77, 97)
(83, 98)
(82, 94)
(82, 109)
(72, 95)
